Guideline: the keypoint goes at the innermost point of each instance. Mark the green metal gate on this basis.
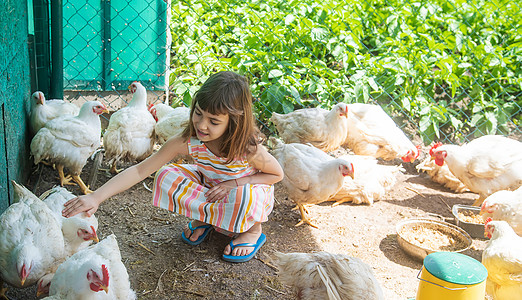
(14, 96)
(110, 43)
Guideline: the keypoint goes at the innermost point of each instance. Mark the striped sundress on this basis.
(180, 188)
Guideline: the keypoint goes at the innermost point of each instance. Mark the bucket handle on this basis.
(451, 289)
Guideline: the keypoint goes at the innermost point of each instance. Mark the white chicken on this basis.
(95, 272)
(68, 141)
(373, 133)
(504, 206)
(44, 111)
(78, 231)
(32, 242)
(324, 129)
(485, 165)
(324, 275)
(311, 176)
(130, 133)
(371, 182)
(502, 257)
(442, 175)
(170, 121)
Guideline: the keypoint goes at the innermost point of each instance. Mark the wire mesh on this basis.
(446, 70)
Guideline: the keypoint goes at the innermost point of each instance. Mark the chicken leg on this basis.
(63, 179)
(304, 206)
(304, 217)
(3, 290)
(479, 201)
(113, 169)
(85, 189)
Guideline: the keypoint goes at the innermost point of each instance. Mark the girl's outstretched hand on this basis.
(220, 191)
(86, 203)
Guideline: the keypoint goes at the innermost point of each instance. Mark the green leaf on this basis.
(275, 73)
(289, 19)
(319, 34)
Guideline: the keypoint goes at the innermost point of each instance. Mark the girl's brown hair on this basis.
(229, 93)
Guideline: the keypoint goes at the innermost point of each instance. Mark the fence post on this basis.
(106, 40)
(56, 49)
(41, 44)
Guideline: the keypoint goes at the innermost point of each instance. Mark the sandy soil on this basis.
(161, 266)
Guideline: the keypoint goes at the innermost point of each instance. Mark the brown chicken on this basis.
(311, 176)
(68, 141)
(326, 130)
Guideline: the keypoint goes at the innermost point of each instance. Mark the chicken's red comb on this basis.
(105, 276)
(489, 219)
(437, 145)
(150, 106)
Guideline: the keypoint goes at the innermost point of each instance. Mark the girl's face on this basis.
(209, 127)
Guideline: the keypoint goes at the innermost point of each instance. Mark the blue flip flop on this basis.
(232, 258)
(200, 239)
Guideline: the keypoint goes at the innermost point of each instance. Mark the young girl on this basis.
(230, 186)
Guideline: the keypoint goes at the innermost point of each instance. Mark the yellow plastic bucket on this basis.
(451, 276)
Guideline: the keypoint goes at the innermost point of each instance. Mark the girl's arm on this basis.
(270, 172)
(89, 203)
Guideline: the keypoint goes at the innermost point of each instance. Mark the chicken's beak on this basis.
(105, 288)
(22, 281)
(95, 238)
(40, 99)
(38, 294)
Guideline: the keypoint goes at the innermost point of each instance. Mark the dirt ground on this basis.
(161, 266)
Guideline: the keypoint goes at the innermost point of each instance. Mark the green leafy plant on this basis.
(452, 68)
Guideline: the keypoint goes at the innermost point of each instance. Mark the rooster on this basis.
(324, 275)
(504, 206)
(68, 141)
(78, 231)
(502, 257)
(170, 121)
(130, 133)
(485, 165)
(44, 111)
(32, 243)
(373, 133)
(95, 272)
(372, 182)
(306, 169)
(323, 129)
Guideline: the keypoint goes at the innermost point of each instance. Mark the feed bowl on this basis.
(466, 217)
(420, 237)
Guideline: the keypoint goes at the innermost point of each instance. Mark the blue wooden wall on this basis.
(15, 88)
